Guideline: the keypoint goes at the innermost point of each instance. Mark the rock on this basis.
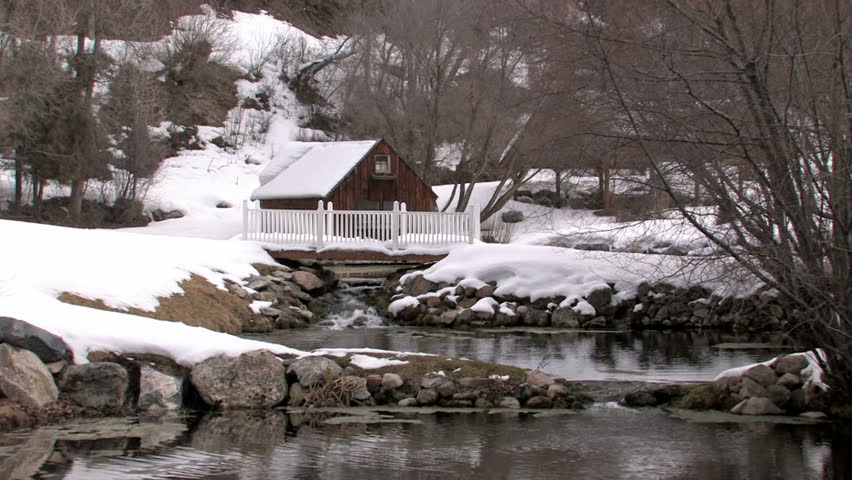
(565, 318)
(756, 406)
(13, 416)
(536, 318)
(447, 389)
(540, 401)
(527, 391)
(600, 298)
(96, 385)
(308, 281)
(448, 317)
(407, 402)
(433, 301)
(457, 403)
(426, 397)
(432, 380)
(791, 381)
(259, 283)
(374, 382)
(813, 415)
(640, 399)
(485, 291)
(509, 402)
(750, 388)
(762, 374)
(419, 285)
(465, 396)
(45, 345)
(539, 379)
(512, 216)
(315, 370)
(597, 322)
(158, 391)
(55, 367)
(391, 381)
(270, 312)
(791, 364)
(505, 320)
(223, 204)
(359, 391)
(257, 324)
(555, 390)
(593, 247)
(296, 395)
(25, 379)
(797, 400)
(253, 380)
(778, 394)
(467, 302)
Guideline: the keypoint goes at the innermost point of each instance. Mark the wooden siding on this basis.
(403, 185)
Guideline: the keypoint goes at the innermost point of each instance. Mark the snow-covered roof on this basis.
(310, 169)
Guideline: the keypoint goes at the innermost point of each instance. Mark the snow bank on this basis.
(539, 272)
(813, 373)
(370, 363)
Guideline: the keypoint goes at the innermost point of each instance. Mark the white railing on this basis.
(395, 229)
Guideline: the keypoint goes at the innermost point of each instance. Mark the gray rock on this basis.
(597, 322)
(600, 298)
(797, 401)
(536, 318)
(315, 370)
(45, 345)
(448, 317)
(640, 399)
(565, 318)
(25, 379)
(757, 406)
(555, 390)
(593, 247)
(270, 312)
(284, 275)
(447, 389)
(512, 216)
(297, 395)
(791, 364)
(778, 394)
(539, 402)
(158, 391)
(524, 199)
(509, 402)
(426, 397)
(484, 291)
(791, 381)
(527, 391)
(432, 380)
(419, 285)
(539, 379)
(762, 374)
(391, 381)
(750, 388)
(407, 402)
(252, 380)
(96, 385)
(308, 281)
(259, 283)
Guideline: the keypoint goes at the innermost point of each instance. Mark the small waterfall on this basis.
(350, 309)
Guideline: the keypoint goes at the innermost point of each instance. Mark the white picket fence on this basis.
(396, 229)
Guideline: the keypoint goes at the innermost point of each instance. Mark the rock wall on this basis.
(419, 301)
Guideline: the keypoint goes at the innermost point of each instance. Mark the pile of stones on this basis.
(286, 297)
(659, 306)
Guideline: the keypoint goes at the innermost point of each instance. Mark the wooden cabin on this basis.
(355, 175)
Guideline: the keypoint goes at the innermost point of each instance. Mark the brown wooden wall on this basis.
(403, 186)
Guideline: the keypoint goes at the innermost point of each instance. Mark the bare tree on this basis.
(752, 102)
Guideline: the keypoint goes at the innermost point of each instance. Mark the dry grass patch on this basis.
(201, 305)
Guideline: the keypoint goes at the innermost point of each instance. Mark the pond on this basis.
(602, 442)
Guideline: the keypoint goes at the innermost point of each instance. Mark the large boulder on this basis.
(315, 370)
(512, 216)
(791, 364)
(419, 285)
(255, 379)
(98, 385)
(565, 318)
(762, 374)
(25, 379)
(757, 406)
(308, 281)
(600, 298)
(159, 391)
(47, 346)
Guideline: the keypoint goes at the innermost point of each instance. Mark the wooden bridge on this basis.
(360, 235)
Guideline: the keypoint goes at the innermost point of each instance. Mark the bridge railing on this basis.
(395, 229)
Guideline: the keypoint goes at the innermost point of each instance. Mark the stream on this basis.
(605, 441)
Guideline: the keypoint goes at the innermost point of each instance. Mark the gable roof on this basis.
(310, 169)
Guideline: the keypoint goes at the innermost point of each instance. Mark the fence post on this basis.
(473, 215)
(395, 227)
(403, 224)
(245, 220)
(320, 225)
(329, 225)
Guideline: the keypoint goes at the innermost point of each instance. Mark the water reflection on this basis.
(598, 443)
(575, 355)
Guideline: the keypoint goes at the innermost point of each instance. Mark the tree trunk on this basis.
(37, 192)
(558, 174)
(76, 207)
(19, 182)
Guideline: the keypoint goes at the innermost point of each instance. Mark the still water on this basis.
(604, 443)
(651, 356)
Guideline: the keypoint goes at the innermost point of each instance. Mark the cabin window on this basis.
(383, 165)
